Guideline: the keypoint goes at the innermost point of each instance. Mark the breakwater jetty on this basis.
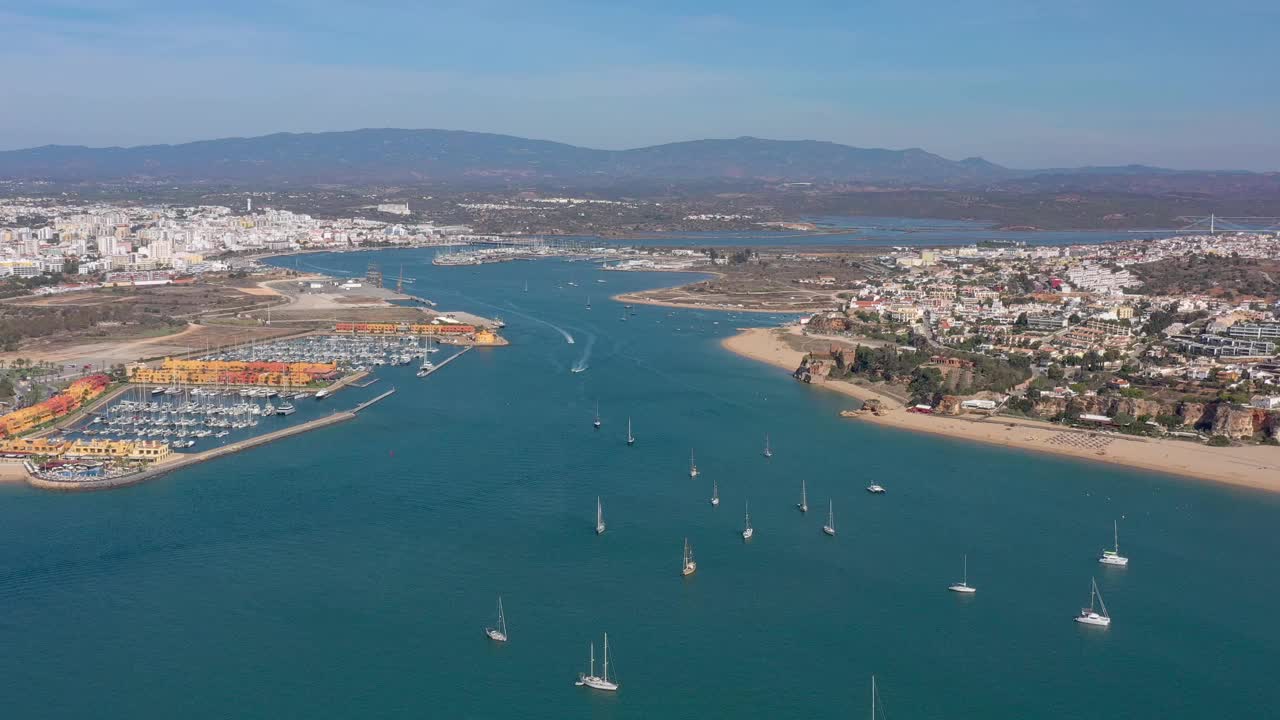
(451, 358)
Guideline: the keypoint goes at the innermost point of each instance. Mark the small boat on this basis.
(322, 393)
(803, 505)
(286, 408)
(599, 517)
(588, 302)
(596, 422)
(577, 369)
(693, 466)
(1090, 616)
(589, 679)
(875, 489)
(715, 494)
(768, 452)
(963, 585)
(748, 531)
(631, 439)
(830, 527)
(690, 565)
(1113, 557)
(499, 633)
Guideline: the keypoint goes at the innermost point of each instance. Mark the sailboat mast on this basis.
(873, 697)
(1115, 526)
(966, 569)
(606, 657)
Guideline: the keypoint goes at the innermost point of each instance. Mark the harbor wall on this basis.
(180, 461)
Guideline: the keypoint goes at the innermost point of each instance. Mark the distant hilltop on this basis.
(407, 156)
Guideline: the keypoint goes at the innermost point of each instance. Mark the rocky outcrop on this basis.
(950, 405)
(1195, 414)
(1235, 423)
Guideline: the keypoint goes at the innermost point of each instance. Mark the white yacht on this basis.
(748, 531)
(875, 489)
(590, 679)
(693, 466)
(631, 439)
(830, 527)
(963, 586)
(499, 633)
(690, 565)
(803, 505)
(599, 517)
(1113, 557)
(715, 494)
(1090, 615)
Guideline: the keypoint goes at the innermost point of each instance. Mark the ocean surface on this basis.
(349, 572)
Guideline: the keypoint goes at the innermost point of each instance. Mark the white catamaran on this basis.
(599, 517)
(690, 565)
(693, 466)
(1113, 557)
(715, 494)
(830, 527)
(1090, 615)
(590, 679)
(498, 633)
(748, 531)
(803, 505)
(963, 586)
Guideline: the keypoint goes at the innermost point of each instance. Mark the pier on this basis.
(465, 350)
(367, 403)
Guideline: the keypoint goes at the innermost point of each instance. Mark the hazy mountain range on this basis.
(401, 156)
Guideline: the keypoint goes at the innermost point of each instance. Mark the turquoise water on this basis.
(349, 572)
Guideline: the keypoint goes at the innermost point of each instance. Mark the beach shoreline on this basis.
(1256, 467)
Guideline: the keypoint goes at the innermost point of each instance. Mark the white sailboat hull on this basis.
(495, 635)
(962, 588)
(715, 501)
(596, 683)
(600, 529)
(1088, 617)
(829, 530)
(746, 534)
(689, 568)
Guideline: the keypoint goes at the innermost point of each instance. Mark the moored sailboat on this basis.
(1096, 614)
(803, 505)
(693, 466)
(631, 439)
(596, 422)
(599, 517)
(963, 586)
(768, 451)
(1113, 557)
(590, 679)
(748, 531)
(690, 565)
(830, 527)
(499, 633)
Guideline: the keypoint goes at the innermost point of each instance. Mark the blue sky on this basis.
(1024, 83)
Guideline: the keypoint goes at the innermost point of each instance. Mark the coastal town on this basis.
(1170, 338)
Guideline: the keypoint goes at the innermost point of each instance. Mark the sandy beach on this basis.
(1252, 466)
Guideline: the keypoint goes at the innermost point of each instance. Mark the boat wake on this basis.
(568, 338)
(586, 355)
